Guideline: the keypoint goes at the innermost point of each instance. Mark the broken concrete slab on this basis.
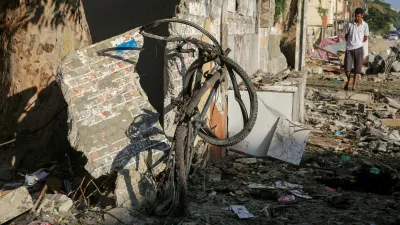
(246, 160)
(395, 73)
(393, 103)
(396, 66)
(110, 118)
(133, 190)
(289, 141)
(376, 106)
(342, 95)
(391, 122)
(371, 117)
(14, 204)
(55, 203)
(327, 143)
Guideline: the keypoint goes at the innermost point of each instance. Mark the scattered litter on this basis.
(328, 189)
(287, 199)
(374, 170)
(241, 212)
(259, 186)
(214, 193)
(215, 177)
(345, 158)
(247, 160)
(300, 194)
(31, 179)
(289, 141)
(287, 186)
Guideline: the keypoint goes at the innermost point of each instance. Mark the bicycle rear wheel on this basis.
(189, 91)
(180, 170)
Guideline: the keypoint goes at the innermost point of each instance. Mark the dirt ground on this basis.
(342, 189)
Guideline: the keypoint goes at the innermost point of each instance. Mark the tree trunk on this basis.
(34, 36)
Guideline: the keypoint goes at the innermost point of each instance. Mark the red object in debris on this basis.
(330, 189)
(287, 199)
(333, 70)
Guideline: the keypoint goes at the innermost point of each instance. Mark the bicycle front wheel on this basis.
(189, 90)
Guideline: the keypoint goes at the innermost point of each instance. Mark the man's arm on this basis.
(366, 33)
(346, 36)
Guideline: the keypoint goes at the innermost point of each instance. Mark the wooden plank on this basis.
(391, 122)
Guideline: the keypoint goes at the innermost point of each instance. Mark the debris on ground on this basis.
(241, 212)
(55, 203)
(14, 204)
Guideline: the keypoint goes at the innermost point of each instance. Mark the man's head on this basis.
(359, 15)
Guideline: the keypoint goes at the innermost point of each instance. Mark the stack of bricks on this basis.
(110, 118)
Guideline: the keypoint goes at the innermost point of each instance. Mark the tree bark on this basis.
(34, 36)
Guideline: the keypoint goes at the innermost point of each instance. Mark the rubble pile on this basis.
(364, 122)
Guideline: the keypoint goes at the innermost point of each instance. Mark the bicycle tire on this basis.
(232, 65)
(181, 177)
(176, 20)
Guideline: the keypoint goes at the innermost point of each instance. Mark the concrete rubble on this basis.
(57, 203)
(110, 118)
(134, 190)
(356, 119)
(14, 204)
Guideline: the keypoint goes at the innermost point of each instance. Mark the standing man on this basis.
(357, 33)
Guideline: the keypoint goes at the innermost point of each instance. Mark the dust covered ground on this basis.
(355, 184)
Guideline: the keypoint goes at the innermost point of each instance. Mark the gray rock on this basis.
(55, 202)
(134, 190)
(373, 145)
(381, 114)
(396, 66)
(382, 146)
(371, 117)
(393, 103)
(14, 204)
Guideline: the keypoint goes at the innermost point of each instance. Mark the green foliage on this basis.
(321, 11)
(397, 22)
(280, 6)
(380, 17)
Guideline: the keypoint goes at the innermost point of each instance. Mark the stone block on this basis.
(112, 122)
(365, 98)
(393, 103)
(14, 204)
(396, 66)
(134, 190)
(55, 202)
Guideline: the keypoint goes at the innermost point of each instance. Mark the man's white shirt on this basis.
(356, 35)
